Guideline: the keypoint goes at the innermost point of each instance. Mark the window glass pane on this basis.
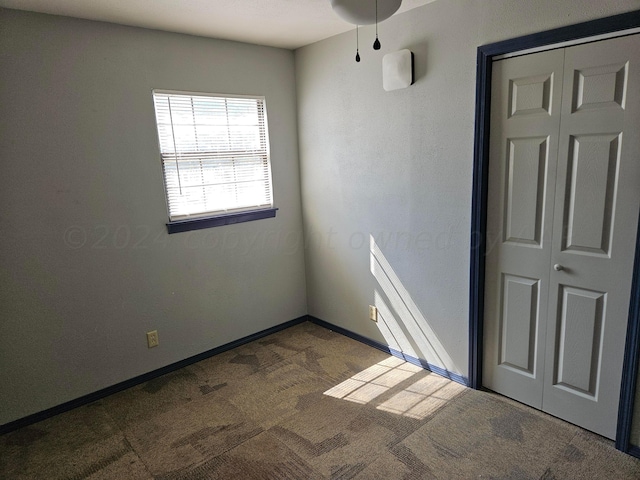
(214, 152)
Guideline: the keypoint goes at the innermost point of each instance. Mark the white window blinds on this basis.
(215, 153)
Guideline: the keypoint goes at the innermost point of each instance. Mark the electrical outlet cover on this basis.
(152, 339)
(373, 313)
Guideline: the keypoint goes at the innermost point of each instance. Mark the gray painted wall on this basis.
(398, 166)
(86, 265)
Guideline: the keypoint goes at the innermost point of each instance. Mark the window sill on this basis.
(219, 220)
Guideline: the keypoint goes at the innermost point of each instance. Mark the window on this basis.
(215, 159)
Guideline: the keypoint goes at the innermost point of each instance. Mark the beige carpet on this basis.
(307, 403)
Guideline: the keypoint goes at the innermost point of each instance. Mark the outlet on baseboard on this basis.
(152, 339)
(373, 313)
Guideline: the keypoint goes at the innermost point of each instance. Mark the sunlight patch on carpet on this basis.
(398, 387)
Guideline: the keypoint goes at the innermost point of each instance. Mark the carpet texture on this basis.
(307, 403)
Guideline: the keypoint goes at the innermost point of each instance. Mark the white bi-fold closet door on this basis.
(563, 205)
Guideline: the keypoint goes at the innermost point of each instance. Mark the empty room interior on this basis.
(435, 272)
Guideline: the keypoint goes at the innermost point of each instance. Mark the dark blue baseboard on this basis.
(118, 387)
(145, 377)
(456, 377)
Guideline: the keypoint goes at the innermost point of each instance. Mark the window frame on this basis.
(214, 219)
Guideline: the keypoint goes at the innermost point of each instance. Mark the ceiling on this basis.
(277, 23)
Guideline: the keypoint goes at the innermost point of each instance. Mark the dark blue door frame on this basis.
(486, 53)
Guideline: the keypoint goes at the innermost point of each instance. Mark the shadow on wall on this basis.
(402, 324)
(420, 60)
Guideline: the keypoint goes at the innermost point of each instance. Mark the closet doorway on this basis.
(542, 305)
(562, 216)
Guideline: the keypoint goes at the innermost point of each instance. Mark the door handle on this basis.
(557, 267)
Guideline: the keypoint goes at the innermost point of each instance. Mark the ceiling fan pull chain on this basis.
(376, 43)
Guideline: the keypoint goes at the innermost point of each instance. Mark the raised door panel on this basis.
(592, 179)
(599, 87)
(530, 95)
(579, 340)
(519, 324)
(524, 190)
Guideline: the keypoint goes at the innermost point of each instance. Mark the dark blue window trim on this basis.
(220, 220)
(485, 56)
